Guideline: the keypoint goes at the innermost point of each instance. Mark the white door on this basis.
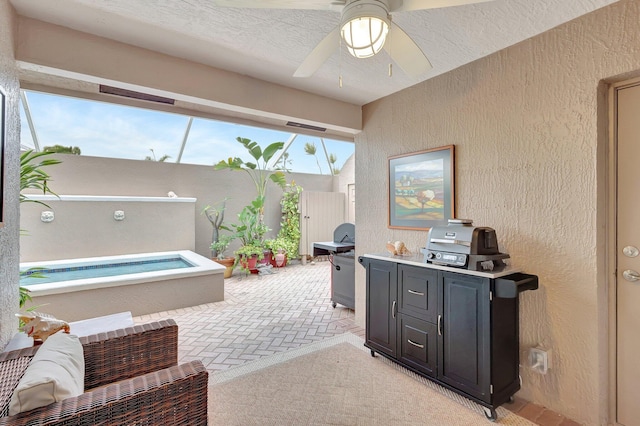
(351, 201)
(321, 213)
(628, 257)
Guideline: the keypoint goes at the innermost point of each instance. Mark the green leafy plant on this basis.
(249, 250)
(277, 244)
(221, 245)
(32, 176)
(290, 222)
(63, 149)
(24, 296)
(249, 229)
(245, 252)
(258, 171)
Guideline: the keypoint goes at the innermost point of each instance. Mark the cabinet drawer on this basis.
(418, 292)
(418, 341)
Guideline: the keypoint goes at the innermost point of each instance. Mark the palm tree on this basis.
(332, 164)
(160, 160)
(310, 149)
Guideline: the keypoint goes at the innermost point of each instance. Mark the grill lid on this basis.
(345, 233)
(344, 240)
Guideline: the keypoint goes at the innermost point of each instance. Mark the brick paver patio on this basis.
(260, 316)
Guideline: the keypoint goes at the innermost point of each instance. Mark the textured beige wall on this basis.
(88, 229)
(9, 233)
(525, 125)
(345, 178)
(83, 175)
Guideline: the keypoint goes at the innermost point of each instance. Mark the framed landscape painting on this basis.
(421, 189)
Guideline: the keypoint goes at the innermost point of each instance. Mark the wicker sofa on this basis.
(131, 377)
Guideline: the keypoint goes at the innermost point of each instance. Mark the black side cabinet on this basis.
(455, 328)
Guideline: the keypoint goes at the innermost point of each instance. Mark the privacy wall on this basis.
(527, 124)
(165, 223)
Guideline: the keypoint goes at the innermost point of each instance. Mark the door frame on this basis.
(611, 284)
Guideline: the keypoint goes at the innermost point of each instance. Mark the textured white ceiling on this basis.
(270, 44)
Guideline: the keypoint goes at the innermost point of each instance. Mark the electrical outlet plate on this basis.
(539, 360)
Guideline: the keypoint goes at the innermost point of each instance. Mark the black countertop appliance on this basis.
(341, 252)
(462, 245)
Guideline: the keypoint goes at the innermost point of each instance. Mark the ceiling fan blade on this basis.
(282, 4)
(319, 54)
(407, 5)
(405, 52)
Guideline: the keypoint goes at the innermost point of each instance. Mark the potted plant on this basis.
(280, 249)
(247, 257)
(259, 173)
(215, 214)
(219, 247)
(250, 231)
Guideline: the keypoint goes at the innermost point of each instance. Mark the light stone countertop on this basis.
(418, 260)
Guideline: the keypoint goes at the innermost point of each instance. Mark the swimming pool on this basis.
(198, 281)
(43, 275)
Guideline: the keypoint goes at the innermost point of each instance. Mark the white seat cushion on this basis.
(56, 372)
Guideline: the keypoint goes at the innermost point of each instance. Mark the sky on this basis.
(109, 130)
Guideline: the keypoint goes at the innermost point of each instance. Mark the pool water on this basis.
(101, 270)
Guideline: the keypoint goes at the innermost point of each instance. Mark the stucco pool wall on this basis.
(141, 293)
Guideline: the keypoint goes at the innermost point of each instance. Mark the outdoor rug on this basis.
(337, 382)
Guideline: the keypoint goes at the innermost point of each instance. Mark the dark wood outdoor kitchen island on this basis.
(455, 326)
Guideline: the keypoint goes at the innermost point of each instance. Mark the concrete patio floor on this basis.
(266, 314)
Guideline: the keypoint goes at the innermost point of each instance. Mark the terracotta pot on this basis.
(267, 259)
(250, 263)
(279, 260)
(227, 262)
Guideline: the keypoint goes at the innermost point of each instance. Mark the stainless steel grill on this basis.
(341, 252)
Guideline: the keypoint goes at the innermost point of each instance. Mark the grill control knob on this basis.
(430, 255)
(438, 255)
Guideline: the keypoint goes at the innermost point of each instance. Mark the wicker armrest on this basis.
(129, 352)
(172, 396)
(18, 353)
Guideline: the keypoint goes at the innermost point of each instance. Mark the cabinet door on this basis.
(418, 344)
(418, 294)
(382, 288)
(464, 335)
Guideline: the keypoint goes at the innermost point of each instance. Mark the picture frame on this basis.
(421, 189)
(3, 131)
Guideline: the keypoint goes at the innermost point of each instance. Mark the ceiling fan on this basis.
(365, 28)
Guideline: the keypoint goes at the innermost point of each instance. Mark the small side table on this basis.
(79, 328)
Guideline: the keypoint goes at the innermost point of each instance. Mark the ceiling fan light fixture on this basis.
(364, 28)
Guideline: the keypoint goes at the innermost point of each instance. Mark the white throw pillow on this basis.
(56, 372)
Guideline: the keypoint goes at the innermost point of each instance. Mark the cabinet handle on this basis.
(393, 309)
(415, 344)
(440, 325)
(417, 293)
